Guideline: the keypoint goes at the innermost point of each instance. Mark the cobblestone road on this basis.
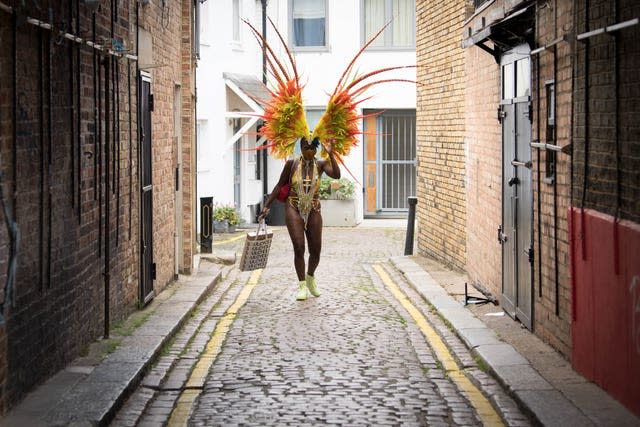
(353, 356)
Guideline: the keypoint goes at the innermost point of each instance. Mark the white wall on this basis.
(219, 53)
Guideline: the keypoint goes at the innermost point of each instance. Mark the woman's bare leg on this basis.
(314, 240)
(295, 226)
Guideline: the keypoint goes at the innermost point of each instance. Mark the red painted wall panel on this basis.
(605, 263)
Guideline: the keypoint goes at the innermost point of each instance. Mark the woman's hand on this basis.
(328, 147)
(263, 213)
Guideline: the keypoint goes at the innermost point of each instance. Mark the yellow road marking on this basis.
(232, 239)
(180, 414)
(486, 412)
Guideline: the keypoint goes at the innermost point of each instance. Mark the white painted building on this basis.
(324, 35)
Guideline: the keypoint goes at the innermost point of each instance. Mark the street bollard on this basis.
(408, 243)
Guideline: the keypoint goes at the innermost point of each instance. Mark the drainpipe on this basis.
(107, 199)
(265, 174)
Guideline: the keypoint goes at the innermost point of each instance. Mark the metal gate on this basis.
(394, 160)
(147, 267)
(516, 233)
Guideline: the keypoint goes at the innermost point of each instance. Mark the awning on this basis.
(254, 94)
(512, 30)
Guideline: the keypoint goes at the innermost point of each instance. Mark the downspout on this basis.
(72, 100)
(585, 171)
(117, 144)
(616, 77)
(95, 112)
(538, 177)
(265, 173)
(48, 164)
(79, 116)
(106, 200)
(42, 129)
(130, 147)
(555, 178)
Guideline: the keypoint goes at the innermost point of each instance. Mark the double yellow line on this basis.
(485, 410)
(180, 414)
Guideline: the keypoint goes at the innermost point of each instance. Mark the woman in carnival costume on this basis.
(335, 134)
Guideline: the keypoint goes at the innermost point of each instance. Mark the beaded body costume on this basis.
(305, 188)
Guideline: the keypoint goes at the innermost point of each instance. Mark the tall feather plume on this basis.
(339, 125)
(284, 116)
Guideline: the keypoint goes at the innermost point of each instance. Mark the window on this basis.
(550, 155)
(236, 21)
(308, 27)
(401, 31)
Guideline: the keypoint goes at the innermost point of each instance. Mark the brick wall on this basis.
(552, 289)
(484, 169)
(612, 183)
(60, 202)
(441, 209)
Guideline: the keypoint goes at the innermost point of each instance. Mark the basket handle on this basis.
(262, 226)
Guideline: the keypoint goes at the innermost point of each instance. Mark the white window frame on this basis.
(236, 25)
(387, 35)
(292, 44)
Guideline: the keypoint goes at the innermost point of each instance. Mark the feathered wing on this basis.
(284, 116)
(339, 124)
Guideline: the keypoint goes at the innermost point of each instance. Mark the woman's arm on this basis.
(285, 176)
(331, 167)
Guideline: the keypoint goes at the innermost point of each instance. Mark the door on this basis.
(517, 197)
(390, 159)
(147, 269)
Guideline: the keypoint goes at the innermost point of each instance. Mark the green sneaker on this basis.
(311, 284)
(302, 291)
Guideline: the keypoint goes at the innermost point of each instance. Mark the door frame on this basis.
(514, 239)
(147, 267)
(373, 155)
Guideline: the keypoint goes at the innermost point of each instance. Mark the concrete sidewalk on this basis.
(91, 389)
(537, 377)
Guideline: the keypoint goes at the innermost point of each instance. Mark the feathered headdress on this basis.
(284, 116)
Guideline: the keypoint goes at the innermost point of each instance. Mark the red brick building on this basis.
(546, 148)
(96, 155)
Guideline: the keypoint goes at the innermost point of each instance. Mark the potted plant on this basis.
(225, 218)
(219, 216)
(337, 197)
(233, 219)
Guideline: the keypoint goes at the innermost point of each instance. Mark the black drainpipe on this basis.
(95, 111)
(48, 164)
(265, 176)
(42, 126)
(538, 173)
(78, 116)
(130, 147)
(107, 203)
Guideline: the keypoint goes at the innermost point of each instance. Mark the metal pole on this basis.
(408, 244)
